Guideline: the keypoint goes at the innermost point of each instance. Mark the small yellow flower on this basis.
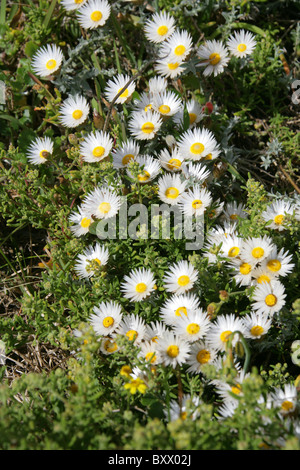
(136, 385)
(125, 371)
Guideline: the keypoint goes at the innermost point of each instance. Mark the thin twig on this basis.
(289, 179)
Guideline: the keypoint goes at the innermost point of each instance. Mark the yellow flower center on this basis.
(181, 310)
(274, 265)
(174, 163)
(183, 281)
(108, 321)
(208, 156)
(183, 415)
(179, 50)
(104, 207)
(51, 64)
(172, 193)
(164, 109)
(196, 204)
(279, 219)
(97, 260)
(224, 336)
(257, 330)
(96, 15)
(245, 268)
(287, 405)
(234, 251)
(141, 287)
(77, 114)
(147, 127)
(98, 151)
(144, 176)
(173, 350)
(131, 335)
(44, 154)
(233, 216)
(263, 278)
(192, 328)
(85, 223)
(110, 346)
(126, 159)
(258, 252)
(193, 117)
(236, 389)
(150, 356)
(173, 65)
(78, 1)
(214, 58)
(162, 30)
(203, 356)
(125, 370)
(154, 339)
(241, 47)
(197, 148)
(271, 300)
(148, 107)
(124, 94)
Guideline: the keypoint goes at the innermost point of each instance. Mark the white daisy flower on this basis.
(255, 250)
(149, 168)
(171, 160)
(194, 110)
(154, 330)
(195, 201)
(115, 85)
(74, 111)
(70, 5)
(227, 409)
(216, 208)
(177, 47)
(256, 325)
(278, 263)
(125, 153)
(138, 285)
(231, 246)
(196, 143)
(40, 150)
(196, 172)
(144, 125)
(231, 390)
(173, 350)
(91, 261)
(241, 43)
(178, 306)
(180, 277)
(234, 210)
(81, 223)
(159, 27)
(171, 188)
(143, 103)
(149, 353)
(201, 353)
(285, 399)
(221, 330)
(242, 271)
(96, 146)
(214, 57)
(108, 346)
(133, 327)
(102, 203)
(192, 327)
(94, 13)
(188, 408)
(157, 84)
(166, 103)
(261, 274)
(47, 60)
(268, 298)
(276, 213)
(106, 318)
(168, 68)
